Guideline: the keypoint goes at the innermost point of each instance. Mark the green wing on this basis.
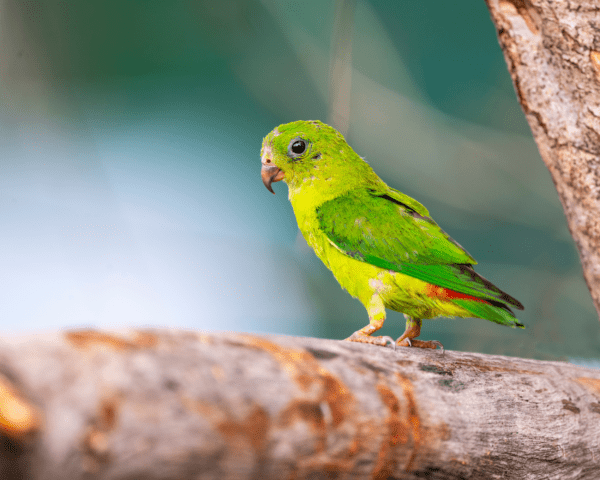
(391, 230)
(380, 228)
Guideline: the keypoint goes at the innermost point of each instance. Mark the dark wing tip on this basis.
(503, 296)
(518, 305)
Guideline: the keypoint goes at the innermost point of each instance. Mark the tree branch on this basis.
(161, 404)
(553, 54)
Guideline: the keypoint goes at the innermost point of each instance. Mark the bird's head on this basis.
(305, 151)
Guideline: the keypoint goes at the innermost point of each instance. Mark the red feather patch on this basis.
(442, 293)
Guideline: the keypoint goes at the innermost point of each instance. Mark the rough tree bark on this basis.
(161, 404)
(552, 49)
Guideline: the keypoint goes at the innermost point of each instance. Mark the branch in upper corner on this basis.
(552, 52)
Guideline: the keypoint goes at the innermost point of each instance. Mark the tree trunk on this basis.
(552, 49)
(166, 404)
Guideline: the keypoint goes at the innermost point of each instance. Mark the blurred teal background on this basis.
(130, 191)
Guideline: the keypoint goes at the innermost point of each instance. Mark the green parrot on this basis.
(381, 245)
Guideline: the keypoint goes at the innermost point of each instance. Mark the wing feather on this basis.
(389, 230)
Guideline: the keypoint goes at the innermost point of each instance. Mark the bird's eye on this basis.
(297, 147)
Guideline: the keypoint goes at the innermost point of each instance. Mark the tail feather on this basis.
(490, 310)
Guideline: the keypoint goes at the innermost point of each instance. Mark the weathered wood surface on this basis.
(552, 49)
(162, 404)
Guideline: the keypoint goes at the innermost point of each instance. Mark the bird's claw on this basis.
(407, 342)
(439, 344)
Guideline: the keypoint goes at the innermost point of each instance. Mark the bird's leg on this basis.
(376, 311)
(413, 330)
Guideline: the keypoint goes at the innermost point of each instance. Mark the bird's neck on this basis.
(307, 196)
(313, 192)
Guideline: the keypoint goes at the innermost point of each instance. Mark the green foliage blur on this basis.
(149, 116)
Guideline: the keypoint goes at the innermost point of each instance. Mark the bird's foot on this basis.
(407, 342)
(362, 338)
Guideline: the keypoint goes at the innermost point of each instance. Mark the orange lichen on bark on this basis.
(212, 412)
(413, 418)
(18, 417)
(306, 371)
(95, 443)
(595, 59)
(387, 461)
(525, 9)
(298, 364)
(254, 428)
(106, 418)
(592, 384)
(92, 338)
(507, 7)
(145, 340)
(401, 429)
(309, 412)
(337, 396)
